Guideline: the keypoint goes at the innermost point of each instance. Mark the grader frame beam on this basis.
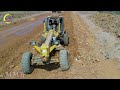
(46, 48)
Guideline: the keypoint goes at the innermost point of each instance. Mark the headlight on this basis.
(44, 51)
(54, 38)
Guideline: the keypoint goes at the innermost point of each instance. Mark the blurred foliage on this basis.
(112, 12)
(116, 12)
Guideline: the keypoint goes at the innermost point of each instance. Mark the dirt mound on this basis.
(108, 21)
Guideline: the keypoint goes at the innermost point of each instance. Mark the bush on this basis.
(116, 12)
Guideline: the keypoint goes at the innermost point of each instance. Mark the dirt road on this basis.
(13, 39)
(86, 59)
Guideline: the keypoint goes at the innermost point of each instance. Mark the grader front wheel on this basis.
(27, 68)
(64, 63)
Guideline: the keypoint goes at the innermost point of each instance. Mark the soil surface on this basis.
(91, 55)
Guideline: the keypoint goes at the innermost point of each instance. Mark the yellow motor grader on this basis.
(54, 38)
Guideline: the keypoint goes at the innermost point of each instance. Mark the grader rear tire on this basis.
(66, 39)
